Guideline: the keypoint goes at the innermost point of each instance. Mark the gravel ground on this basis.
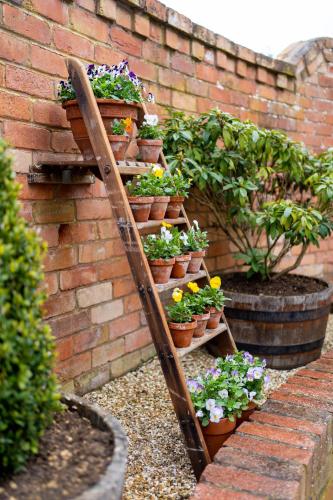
(158, 466)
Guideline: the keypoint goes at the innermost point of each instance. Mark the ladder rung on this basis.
(173, 283)
(157, 223)
(197, 342)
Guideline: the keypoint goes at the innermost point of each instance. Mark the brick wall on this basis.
(92, 307)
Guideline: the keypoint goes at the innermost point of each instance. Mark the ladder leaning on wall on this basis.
(152, 296)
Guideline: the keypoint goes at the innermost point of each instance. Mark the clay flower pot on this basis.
(150, 149)
(216, 434)
(119, 145)
(182, 333)
(174, 207)
(159, 207)
(110, 110)
(180, 266)
(215, 317)
(196, 261)
(201, 320)
(140, 206)
(247, 413)
(161, 269)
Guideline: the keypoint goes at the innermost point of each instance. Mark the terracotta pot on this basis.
(110, 110)
(119, 145)
(180, 266)
(182, 333)
(150, 149)
(159, 207)
(201, 319)
(215, 317)
(216, 434)
(247, 413)
(174, 207)
(140, 206)
(196, 261)
(161, 269)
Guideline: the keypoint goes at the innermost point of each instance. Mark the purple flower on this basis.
(235, 373)
(199, 413)
(213, 372)
(229, 357)
(192, 385)
(266, 381)
(223, 393)
(248, 357)
(249, 395)
(210, 404)
(150, 98)
(250, 375)
(216, 414)
(258, 372)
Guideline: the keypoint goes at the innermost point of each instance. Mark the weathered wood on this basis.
(151, 224)
(199, 341)
(64, 177)
(166, 351)
(177, 283)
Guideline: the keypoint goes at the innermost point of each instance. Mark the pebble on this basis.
(158, 466)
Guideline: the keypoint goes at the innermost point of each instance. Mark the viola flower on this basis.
(215, 373)
(128, 125)
(177, 295)
(210, 404)
(216, 414)
(192, 385)
(266, 381)
(235, 373)
(248, 357)
(166, 235)
(196, 225)
(199, 413)
(250, 395)
(166, 224)
(258, 372)
(215, 282)
(151, 120)
(158, 171)
(150, 98)
(229, 357)
(223, 394)
(184, 238)
(250, 375)
(193, 286)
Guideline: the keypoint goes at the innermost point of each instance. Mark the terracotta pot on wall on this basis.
(180, 266)
(174, 207)
(161, 269)
(182, 333)
(196, 261)
(110, 110)
(140, 206)
(215, 318)
(216, 434)
(202, 320)
(150, 149)
(119, 145)
(246, 413)
(159, 207)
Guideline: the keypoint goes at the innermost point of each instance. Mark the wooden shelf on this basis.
(197, 342)
(156, 223)
(173, 283)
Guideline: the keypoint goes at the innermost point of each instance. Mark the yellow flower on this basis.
(193, 286)
(128, 125)
(215, 282)
(158, 171)
(177, 295)
(166, 224)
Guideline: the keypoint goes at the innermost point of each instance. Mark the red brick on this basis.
(52, 9)
(288, 422)
(47, 61)
(142, 25)
(77, 232)
(24, 135)
(26, 211)
(156, 32)
(74, 366)
(2, 74)
(79, 276)
(183, 64)
(123, 17)
(126, 42)
(324, 385)
(88, 339)
(184, 101)
(206, 491)
(219, 94)
(290, 397)
(113, 268)
(13, 49)
(69, 324)
(325, 81)
(137, 339)
(259, 105)
(171, 79)
(33, 191)
(132, 303)
(30, 82)
(156, 9)
(51, 283)
(176, 41)
(30, 26)
(63, 142)
(277, 434)
(64, 348)
(242, 479)
(72, 43)
(197, 87)
(207, 73)
(93, 209)
(14, 106)
(53, 211)
(155, 54)
(144, 70)
(49, 113)
(300, 388)
(59, 304)
(100, 250)
(125, 324)
(123, 286)
(108, 352)
(60, 258)
(107, 55)
(108, 229)
(89, 25)
(241, 68)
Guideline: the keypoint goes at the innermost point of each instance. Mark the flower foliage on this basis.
(28, 390)
(196, 238)
(109, 82)
(122, 127)
(266, 192)
(226, 390)
(150, 128)
(179, 311)
(162, 246)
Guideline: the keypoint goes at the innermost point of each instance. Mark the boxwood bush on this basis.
(28, 389)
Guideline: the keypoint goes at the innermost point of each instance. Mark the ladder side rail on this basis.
(166, 351)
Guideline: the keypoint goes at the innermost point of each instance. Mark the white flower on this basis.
(196, 225)
(199, 413)
(166, 235)
(152, 236)
(210, 404)
(216, 414)
(184, 238)
(223, 394)
(151, 120)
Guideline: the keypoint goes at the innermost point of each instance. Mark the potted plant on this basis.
(181, 323)
(217, 399)
(119, 139)
(118, 92)
(196, 245)
(140, 196)
(161, 200)
(150, 139)
(160, 251)
(272, 199)
(215, 300)
(198, 305)
(177, 187)
(182, 260)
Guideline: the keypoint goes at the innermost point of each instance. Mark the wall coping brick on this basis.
(285, 443)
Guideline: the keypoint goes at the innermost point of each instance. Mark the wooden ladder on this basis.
(152, 296)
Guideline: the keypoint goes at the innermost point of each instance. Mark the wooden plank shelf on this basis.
(174, 283)
(197, 342)
(157, 223)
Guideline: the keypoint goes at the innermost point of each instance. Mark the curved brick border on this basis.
(285, 451)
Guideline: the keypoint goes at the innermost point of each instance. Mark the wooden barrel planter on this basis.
(288, 331)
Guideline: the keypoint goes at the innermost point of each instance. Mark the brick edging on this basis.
(285, 451)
